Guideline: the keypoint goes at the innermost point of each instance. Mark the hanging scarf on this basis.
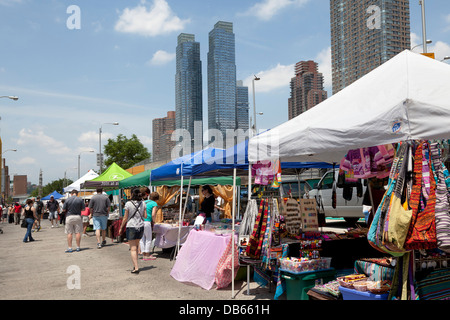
(256, 239)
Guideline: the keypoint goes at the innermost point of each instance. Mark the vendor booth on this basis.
(405, 103)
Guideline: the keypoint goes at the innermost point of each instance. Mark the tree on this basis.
(57, 185)
(125, 152)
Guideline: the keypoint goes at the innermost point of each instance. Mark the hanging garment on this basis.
(422, 231)
(442, 202)
(249, 219)
(377, 236)
(223, 276)
(256, 239)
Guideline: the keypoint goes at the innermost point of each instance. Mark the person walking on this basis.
(38, 205)
(85, 217)
(17, 212)
(133, 219)
(73, 225)
(62, 213)
(29, 214)
(151, 207)
(53, 209)
(99, 212)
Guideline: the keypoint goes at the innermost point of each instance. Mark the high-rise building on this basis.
(162, 137)
(188, 85)
(242, 106)
(364, 35)
(306, 88)
(222, 78)
(19, 185)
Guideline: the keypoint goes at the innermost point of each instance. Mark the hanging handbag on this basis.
(24, 223)
(422, 230)
(399, 216)
(442, 202)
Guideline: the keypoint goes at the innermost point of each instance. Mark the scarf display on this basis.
(257, 237)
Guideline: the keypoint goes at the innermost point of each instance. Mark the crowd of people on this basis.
(75, 213)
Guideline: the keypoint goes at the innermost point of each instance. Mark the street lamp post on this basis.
(79, 156)
(2, 177)
(427, 42)
(424, 28)
(254, 105)
(10, 97)
(100, 144)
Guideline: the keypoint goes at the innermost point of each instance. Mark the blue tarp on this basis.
(221, 162)
(55, 195)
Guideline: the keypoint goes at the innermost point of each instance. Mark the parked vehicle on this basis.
(350, 210)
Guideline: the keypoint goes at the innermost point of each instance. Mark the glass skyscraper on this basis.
(188, 86)
(242, 106)
(222, 78)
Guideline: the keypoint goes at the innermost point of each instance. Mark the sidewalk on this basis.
(41, 270)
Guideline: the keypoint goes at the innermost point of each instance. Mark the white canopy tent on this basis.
(406, 98)
(91, 174)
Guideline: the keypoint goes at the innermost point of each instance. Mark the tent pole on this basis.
(232, 234)
(179, 213)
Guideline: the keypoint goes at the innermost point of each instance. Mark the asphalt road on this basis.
(41, 270)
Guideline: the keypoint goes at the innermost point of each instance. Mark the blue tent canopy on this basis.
(224, 161)
(182, 165)
(221, 162)
(55, 195)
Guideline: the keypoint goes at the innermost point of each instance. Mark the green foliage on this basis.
(57, 185)
(125, 152)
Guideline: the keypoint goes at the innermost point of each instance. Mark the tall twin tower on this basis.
(227, 98)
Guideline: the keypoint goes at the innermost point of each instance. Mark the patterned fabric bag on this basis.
(422, 231)
(256, 239)
(442, 201)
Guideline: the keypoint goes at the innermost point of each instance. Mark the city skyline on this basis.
(119, 66)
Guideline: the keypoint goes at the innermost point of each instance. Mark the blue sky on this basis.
(120, 66)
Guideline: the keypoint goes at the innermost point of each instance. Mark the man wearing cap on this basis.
(53, 210)
(72, 208)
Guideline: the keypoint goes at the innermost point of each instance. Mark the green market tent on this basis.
(223, 181)
(143, 179)
(138, 180)
(108, 179)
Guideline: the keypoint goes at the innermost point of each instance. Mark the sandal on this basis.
(134, 271)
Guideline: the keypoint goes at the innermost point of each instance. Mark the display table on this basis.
(166, 235)
(199, 257)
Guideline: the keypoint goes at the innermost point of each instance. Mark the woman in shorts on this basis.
(135, 213)
(85, 217)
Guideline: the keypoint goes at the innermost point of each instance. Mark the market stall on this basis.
(405, 102)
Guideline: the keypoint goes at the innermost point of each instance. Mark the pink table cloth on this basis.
(199, 257)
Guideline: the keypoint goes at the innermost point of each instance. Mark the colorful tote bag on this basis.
(422, 230)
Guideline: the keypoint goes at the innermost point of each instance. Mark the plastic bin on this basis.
(295, 266)
(298, 284)
(351, 294)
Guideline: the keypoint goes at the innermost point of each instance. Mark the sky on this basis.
(78, 66)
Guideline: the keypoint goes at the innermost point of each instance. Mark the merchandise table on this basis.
(199, 258)
(166, 235)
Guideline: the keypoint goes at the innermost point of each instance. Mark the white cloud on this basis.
(440, 48)
(161, 57)
(277, 77)
(90, 138)
(26, 160)
(158, 20)
(266, 9)
(10, 2)
(324, 61)
(40, 139)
